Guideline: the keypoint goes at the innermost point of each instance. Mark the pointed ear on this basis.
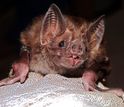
(95, 33)
(53, 24)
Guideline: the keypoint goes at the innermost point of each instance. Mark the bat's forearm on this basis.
(101, 66)
(25, 54)
(90, 75)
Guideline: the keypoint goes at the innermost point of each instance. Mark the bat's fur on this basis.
(70, 46)
(43, 57)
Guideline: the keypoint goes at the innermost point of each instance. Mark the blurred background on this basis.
(15, 15)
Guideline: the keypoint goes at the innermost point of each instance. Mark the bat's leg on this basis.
(20, 71)
(20, 68)
(89, 79)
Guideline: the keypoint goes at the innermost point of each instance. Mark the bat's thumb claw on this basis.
(123, 96)
(22, 79)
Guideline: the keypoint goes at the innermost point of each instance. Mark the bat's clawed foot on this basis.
(89, 81)
(89, 86)
(9, 80)
(19, 73)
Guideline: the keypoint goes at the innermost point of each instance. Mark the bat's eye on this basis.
(62, 44)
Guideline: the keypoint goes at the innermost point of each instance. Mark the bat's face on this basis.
(69, 43)
(67, 50)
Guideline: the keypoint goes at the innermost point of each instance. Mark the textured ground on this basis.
(54, 91)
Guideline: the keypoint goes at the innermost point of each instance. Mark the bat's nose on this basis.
(77, 49)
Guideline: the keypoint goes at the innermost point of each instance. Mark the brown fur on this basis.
(40, 60)
(70, 46)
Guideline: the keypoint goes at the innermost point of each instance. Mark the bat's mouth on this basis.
(72, 62)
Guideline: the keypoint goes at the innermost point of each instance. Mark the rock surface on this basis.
(54, 91)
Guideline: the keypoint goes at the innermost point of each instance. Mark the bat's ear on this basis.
(53, 24)
(95, 33)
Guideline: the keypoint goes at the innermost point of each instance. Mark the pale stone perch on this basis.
(54, 91)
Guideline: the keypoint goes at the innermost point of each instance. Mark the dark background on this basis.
(15, 15)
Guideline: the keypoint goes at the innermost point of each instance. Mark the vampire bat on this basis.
(66, 45)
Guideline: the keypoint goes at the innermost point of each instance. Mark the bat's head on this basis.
(69, 43)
